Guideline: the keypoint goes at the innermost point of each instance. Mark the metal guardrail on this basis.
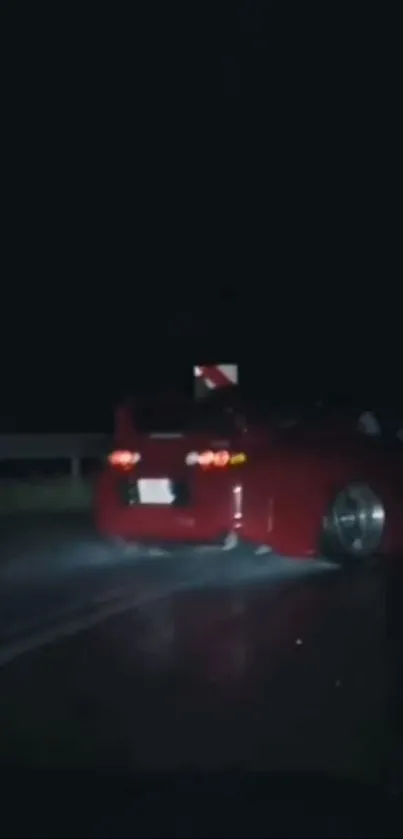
(52, 446)
(72, 447)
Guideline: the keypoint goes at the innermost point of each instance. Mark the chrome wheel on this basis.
(356, 521)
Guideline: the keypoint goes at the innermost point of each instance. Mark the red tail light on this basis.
(217, 459)
(124, 459)
(221, 458)
(206, 458)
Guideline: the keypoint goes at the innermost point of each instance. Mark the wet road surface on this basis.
(204, 660)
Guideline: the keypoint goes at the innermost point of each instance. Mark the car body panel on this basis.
(292, 487)
(277, 498)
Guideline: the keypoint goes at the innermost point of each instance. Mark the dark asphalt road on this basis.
(201, 660)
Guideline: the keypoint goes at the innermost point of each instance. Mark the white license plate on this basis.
(155, 491)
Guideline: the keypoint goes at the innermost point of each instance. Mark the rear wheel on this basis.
(354, 525)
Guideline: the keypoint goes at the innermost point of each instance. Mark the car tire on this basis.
(353, 526)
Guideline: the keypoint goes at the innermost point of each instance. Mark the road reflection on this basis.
(230, 641)
(286, 673)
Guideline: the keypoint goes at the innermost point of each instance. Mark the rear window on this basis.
(162, 415)
(153, 414)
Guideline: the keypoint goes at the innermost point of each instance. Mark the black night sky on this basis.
(190, 182)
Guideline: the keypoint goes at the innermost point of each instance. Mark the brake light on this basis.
(206, 458)
(221, 458)
(217, 459)
(124, 459)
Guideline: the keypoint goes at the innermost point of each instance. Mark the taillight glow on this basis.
(219, 459)
(238, 458)
(206, 458)
(222, 458)
(124, 459)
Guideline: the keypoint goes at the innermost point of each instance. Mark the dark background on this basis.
(196, 182)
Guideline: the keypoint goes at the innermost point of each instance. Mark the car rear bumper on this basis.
(214, 517)
(171, 526)
(207, 517)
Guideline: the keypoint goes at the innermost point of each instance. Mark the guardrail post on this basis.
(75, 470)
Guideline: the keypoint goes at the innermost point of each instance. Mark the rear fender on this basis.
(290, 493)
(305, 485)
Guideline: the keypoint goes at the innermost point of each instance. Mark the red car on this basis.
(310, 483)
